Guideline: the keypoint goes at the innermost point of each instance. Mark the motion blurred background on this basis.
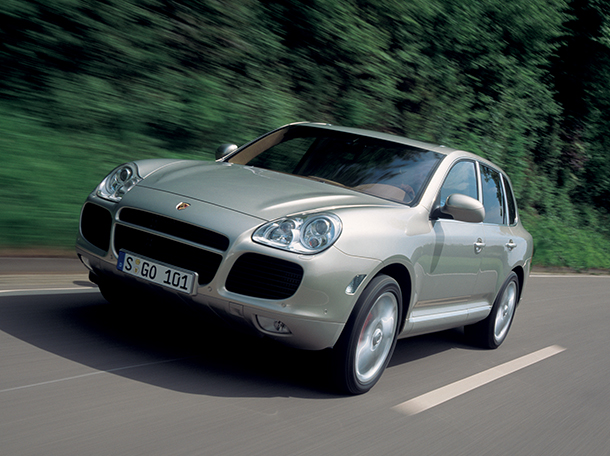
(86, 85)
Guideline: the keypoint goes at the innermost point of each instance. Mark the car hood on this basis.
(257, 192)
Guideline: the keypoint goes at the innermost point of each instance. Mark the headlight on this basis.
(310, 233)
(119, 182)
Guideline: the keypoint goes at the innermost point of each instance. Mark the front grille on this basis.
(95, 225)
(165, 250)
(264, 277)
(175, 228)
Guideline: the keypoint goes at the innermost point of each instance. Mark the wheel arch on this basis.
(521, 278)
(402, 276)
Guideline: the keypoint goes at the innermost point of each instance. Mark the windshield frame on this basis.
(405, 153)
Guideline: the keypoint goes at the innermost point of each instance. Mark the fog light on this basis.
(86, 262)
(271, 325)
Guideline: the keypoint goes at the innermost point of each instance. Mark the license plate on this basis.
(156, 272)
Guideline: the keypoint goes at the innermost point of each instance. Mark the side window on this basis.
(510, 198)
(493, 196)
(461, 179)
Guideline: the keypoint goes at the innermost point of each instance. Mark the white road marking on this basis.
(569, 276)
(446, 393)
(89, 374)
(47, 291)
(41, 289)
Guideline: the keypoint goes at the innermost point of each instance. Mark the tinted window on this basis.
(283, 157)
(493, 197)
(390, 170)
(461, 179)
(512, 207)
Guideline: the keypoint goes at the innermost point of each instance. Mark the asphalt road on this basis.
(78, 376)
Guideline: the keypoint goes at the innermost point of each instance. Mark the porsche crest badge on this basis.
(182, 206)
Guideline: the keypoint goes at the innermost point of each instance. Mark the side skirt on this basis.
(427, 320)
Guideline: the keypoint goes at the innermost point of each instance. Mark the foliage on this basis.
(558, 243)
(88, 84)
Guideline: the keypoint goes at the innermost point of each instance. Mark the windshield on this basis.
(389, 170)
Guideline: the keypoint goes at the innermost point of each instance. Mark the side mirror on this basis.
(464, 208)
(224, 150)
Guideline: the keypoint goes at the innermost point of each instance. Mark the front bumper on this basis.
(315, 313)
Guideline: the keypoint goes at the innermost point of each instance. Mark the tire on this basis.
(369, 337)
(116, 293)
(491, 332)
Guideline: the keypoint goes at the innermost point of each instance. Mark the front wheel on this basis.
(491, 332)
(120, 295)
(115, 293)
(369, 338)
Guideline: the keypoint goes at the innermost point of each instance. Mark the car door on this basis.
(498, 236)
(452, 269)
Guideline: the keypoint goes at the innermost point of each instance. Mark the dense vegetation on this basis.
(89, 84)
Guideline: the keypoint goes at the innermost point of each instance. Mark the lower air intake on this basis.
(261, 276)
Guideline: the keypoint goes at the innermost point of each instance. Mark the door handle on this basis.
(478, 246)
(511, 245)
